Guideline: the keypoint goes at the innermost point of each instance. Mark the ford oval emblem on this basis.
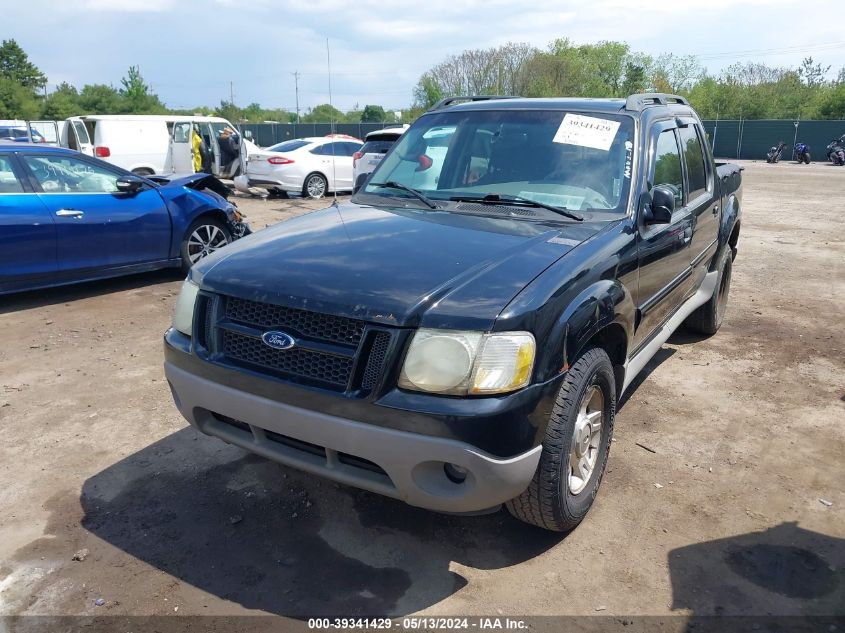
(278, 340)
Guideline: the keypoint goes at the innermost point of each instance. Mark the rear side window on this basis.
(694, 157)
(667, 165)
(9, 183)
(377, 147)
(288, 146)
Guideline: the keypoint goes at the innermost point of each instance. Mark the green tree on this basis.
(16, 101)
(229, 111)
(15, 65)
(324, 113)
(62, 103)
(137, 95)
(427, 91)
(373, 114)
(99, 99)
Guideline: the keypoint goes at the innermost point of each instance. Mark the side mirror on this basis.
(129, 184)
(359, 182)
(661, 207)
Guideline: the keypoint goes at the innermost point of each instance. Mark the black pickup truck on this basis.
(458, 334)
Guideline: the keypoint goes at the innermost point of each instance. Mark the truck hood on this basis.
(396, 266)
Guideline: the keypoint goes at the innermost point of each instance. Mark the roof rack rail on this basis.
(639, 101)
(445, 103)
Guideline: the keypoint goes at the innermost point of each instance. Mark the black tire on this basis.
(277, 194)
(708, 318)
(807, 158)
(143, 171)
(315, 186)
(549, 502)
(204, 226)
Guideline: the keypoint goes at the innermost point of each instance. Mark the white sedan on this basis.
(310, 166)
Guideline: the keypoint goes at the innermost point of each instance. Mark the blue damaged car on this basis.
(66, 217)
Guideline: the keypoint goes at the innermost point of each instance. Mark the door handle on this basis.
(70, 213)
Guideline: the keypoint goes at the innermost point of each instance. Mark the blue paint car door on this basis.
(97, 226)
(27, 232)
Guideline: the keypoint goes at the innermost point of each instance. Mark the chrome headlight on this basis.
(183, 315)
(459, 363)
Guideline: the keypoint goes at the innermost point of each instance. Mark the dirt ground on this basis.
(738, 506)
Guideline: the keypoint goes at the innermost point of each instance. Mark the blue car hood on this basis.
(402, 266)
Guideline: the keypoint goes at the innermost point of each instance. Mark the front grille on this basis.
(247, 350)
(378, 351)
(326, 327)
(329, 349)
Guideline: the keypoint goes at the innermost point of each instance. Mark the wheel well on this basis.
(613, 340)
(733, 240)
(215, 214)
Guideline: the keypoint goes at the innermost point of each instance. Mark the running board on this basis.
(635, 365)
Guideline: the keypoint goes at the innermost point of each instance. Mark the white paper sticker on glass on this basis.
(586, 131)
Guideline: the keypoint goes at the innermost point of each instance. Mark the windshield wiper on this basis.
(495, 198)
(392, 184)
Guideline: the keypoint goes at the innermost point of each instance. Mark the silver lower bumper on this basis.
(398, 464)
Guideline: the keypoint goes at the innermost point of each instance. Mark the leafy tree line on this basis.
(607, 69)
(23, 96)
(612, 69)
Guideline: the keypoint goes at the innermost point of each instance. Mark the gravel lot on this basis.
(722, 515)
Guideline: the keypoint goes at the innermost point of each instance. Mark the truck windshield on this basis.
(575, 160)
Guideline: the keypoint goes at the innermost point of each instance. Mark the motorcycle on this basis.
(802, 153)
(836, 152)
(775, 153)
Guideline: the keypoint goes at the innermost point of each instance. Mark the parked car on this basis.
(20, 134)
(466, 344)
(66, 217)
(376, 144)
(311, 166)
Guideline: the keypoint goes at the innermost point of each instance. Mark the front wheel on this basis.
(807, 158)
(575, 448)
(315, 186)
(201, 239)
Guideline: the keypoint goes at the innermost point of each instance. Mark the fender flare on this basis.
(604, 303)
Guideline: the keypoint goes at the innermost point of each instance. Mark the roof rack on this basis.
(445, 103)
(639, 101)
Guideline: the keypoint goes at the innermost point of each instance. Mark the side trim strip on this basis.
(636, 363)
(652, 301)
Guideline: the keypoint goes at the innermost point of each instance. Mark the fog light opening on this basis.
(455, 473)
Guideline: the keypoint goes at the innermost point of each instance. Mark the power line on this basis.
(774, 51)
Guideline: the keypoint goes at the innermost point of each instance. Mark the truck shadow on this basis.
(267, 537)
(775, 579)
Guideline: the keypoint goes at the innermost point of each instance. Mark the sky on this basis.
(190, 50)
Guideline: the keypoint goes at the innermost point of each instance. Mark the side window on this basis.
(667, 165)
(694, 157)
(182, 132)
(320, 150)
(63, 174)
(9, 183)
(350, 148)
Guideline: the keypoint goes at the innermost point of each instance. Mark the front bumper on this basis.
(399, 464)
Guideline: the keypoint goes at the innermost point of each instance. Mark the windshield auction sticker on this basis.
(586, 131)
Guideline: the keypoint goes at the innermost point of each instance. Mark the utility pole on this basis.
(296, 82)
(231, 93)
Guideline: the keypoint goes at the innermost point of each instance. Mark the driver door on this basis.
(664, 258)
(97, 226)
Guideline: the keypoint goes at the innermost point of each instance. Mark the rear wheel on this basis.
(202, 238)
(708, 318)
(315, 186)
(575, 448)
(807, 158)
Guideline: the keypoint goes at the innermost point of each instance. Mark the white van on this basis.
(150, 144)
